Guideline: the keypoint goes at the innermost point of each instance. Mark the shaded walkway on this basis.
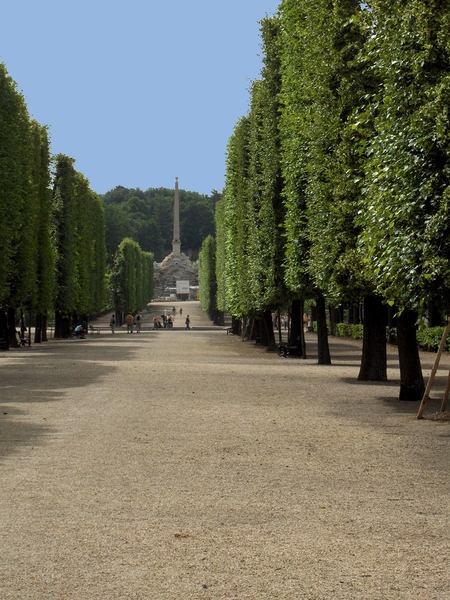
(193, 465)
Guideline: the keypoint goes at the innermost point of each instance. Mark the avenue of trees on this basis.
(207, 277)
(337, 180)
(53, 236)
(147, 218)
(131, 279)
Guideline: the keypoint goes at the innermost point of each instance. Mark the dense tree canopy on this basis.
(406, 213)
(207, 276)
(80, 244)
(147, 217)
(131, 280)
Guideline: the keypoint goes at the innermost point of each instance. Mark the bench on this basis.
(229, 330)
(285, 349)
(93, 330)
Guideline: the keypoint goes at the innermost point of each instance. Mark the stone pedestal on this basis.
(172, 269)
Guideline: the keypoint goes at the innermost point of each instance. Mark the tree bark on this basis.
(313, 318)
(335, 316)
(351, 315)
(268, 328)
(323, 348)
(12, 337)
(44, 328)
(412, 385)
(374, 358)
(62, 326)
(4, 328)
(38, 329)
(296, 332)
(236, 326)
(392, 324)
(257, 331)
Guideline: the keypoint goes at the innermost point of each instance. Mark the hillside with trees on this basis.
(147, 218)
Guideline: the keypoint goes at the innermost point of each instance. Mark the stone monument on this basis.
(176, 267)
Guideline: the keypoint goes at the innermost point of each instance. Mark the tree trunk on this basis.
(4, 328)
(374, 359)
(280, 335)
(355, 317)
(412, 385)
(313, 318)
(44, 328)
(12, 337)
(62, 326)
(38, 329)
(236, 326)
(268, 327)
(252, 333)
(296, 333)
(334, 318)
(323, 348)
(392, 324)
(433, 317)
(245, 331)
(257, 331)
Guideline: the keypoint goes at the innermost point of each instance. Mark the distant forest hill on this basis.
(147, 218)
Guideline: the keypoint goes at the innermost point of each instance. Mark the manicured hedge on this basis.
(429, 339)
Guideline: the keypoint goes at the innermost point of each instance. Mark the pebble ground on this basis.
(191, 465)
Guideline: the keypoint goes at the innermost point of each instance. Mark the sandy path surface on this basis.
(179, 465)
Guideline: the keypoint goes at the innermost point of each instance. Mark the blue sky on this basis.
(141, 91)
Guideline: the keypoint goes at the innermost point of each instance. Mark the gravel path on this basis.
(179, 465)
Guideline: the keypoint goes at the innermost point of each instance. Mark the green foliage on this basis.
(236, 224)
(19, 197)
(80, 241)
(266, 210)
(207, 276)
(220, 258)
(295, 109)
(131, 278)
(46, 253)
(65, 234)
(406, 215)
(353, 331)
(429, 338)
(322, 153)
(52, 254)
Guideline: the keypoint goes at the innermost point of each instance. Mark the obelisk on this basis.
(176, 242)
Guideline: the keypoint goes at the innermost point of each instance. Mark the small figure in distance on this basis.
(188, 322)
(80, 332)
(112, 323)
(138, 320)
(181, 311)
(129, 321)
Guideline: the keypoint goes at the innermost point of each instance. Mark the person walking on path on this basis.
(138, 320)
(129, 321)
(112, 323)
(188, 322)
